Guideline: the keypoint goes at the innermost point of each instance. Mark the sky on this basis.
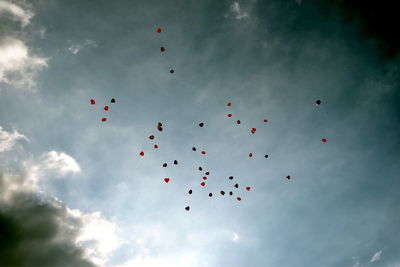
(74, 190)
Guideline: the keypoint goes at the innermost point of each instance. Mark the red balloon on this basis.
(250, 155)
(203, 152)
(229, 115)
(265, 121)
(229, 104)
(141, 153)
(204, 178)
(155, 146)
(105, 108)
(166, 180)
(239, 198)
(203, 184)
(159, 30)
(323, 140)
(104, 119)
(253, 130)
(92, 101)
(248, 188)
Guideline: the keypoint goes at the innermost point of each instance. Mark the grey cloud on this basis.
(36, 231)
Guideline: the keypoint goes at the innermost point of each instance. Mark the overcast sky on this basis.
(74, 191)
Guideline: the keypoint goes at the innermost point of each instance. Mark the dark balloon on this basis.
(266, 156)
(164, 165)
(113, 100)
(238, 121)
(187, 208)
(231, 177)
(201, 124)
(200, 168)
(222, 193)
(172, 71)
(151, 137)
(288, 177)
(210, 195)
(230, 193)
(162, 49)
(318, 102)
(160, 124)
(207, 173)
(175, 162)
(193, 148)
(190, 191)
(236, 185)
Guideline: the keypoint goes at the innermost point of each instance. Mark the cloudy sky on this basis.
(74, 191)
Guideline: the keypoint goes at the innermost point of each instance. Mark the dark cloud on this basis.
(36, 231)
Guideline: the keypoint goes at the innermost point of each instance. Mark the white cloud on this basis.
(50, 164)
(377, 256)
(17, 12)
(239, 14)
(235, 237)
(8, 140)
(185, 260)
(74, 49)
(18, 67)
(59, 162)
(98, 236)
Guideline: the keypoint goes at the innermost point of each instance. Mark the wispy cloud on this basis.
(17, 12)
(239, 14)
(74, 49)
(377, 256)
(8, 139)
(235, 237)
